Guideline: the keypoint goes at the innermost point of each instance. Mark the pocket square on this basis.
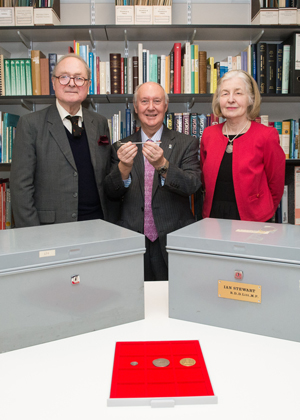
(103, 140)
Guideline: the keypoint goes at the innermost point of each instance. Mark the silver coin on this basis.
(161, 362)
(134, 363)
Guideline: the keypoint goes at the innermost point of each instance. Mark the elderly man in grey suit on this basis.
(158, 170)
(61, 155)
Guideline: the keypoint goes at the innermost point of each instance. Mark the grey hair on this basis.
(137, 88)
(88, 70)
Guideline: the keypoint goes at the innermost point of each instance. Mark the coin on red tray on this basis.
(161, 362)
(187, 361)
(134, 363)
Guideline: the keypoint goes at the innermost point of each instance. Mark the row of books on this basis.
(184, 70)
(6, 219)
(277, 3)
(8, 124)
(26, 3)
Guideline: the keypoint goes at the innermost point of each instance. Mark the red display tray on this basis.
(181, 376)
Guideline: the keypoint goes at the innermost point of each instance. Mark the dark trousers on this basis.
(155, 267)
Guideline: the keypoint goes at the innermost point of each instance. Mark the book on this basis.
(144, 66)
(194, 125)
(45, 81)
(28, 75)
(186, 62)
(172, 72)
(98, 74)
(135, 72)
(285, 69)
(271, 56)
(186, 123)
(91, 58)
(297, 194)
(167, 74)
(170, 120)
(202, 71)
(18, 76)
(153, 68)
(284, 206)
(196, 58)
(107, 78)
(285, 137)
(278, 126)
(178, 122)
(128, 122)
(261, 62)
(3, 54)
(130, 75)
(125, 78)
(9, 120)
(192, 68)
(36, 56)
(177, 67)
(121, 75)
(8, 211)
(7, 77)
(102, 77)
(163, 71)
(52, 62)
(140, 62)
(23, 77)
(278, 76)
(210, 63)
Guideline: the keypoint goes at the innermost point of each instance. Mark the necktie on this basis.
(149, 225)
(76, 130)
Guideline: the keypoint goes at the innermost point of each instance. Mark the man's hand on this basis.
(154, 154)
(126, 154)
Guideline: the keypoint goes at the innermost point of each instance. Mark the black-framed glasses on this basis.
(65, 80)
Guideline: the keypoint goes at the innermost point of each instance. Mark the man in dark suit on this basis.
(174, 157)
(59, 165)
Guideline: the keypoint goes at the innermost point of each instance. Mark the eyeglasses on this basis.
(65, 80)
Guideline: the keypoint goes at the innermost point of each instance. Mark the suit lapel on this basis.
(167, 144)
(138, 165)
(91, 132)
(58, 132)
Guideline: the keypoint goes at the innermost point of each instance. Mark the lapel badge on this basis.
(170, 146)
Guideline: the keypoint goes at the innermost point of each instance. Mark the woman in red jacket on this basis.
(242, 162)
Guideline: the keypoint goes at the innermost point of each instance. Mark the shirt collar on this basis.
(155, 137)
(63, 113)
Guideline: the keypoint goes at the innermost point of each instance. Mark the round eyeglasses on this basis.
(65, 80)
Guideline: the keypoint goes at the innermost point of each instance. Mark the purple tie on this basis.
(149, 225)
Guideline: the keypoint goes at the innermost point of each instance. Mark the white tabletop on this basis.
(254, 377)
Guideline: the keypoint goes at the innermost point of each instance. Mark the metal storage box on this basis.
(67, 279)
(239, 275)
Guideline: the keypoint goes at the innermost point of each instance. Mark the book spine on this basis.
(107, 78)
(284, 205)
(261, 79)
(159, 70)
(153, 68)
(202, 72)
(135, 72)
(279, 53)
(22, 78)
(130, 75)
(8, 214)
(163, 71)
(271, 68)
(170, 120)
(178, 122)
(98, 74)
(144, 66)
(122, 75)
(28, 74)
(140, 63)
(192, 69)
(115, 73)
(177, 67)
(36, 71)
(186, 123)
(45, 82)
(286, 131)
(52, 61)
(128, 121)
(196, 58)
(18, 76)
(102, 77)
(7, 77)
(194, 125)
(285, 69)
(13, 79)
(125, 75)
(91, 66)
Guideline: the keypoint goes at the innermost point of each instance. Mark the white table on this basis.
(254, 377)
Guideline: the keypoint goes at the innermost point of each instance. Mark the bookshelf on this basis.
(216, 39)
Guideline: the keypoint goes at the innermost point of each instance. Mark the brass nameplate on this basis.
(239, 291)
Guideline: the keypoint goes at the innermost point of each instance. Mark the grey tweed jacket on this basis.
(44, 178)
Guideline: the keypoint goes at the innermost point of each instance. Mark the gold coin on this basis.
(161, 362)
(188, 361)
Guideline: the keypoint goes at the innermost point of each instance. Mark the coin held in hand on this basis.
(161, 362)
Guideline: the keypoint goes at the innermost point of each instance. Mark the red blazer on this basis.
(258, 170)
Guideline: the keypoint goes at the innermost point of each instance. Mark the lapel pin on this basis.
(170, 146)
